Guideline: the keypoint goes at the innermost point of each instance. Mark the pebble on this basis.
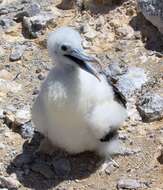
(129, 184)
(9, 182)
(153, 12)
(27, 130)
(30, 11)
(6, 22)
(125, 31)
(41, 77)
(62, 167)
(14, 120)
(3, 11)
(35, 92)
(17, 52)
(113, 69)
(23, 115)
(35, 25)
(43, 169)
(2, 146)
(9, 86)
(4, 74)
(91, 34)
(150, 107)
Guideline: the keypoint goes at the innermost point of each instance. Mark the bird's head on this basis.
(65, 47)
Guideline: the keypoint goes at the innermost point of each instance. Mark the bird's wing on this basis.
(119, 97)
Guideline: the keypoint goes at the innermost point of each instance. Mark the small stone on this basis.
(62, 167)
(2, 146)
(150, 107)
(3, 11)
(17, 52)
(41, 77)
(9, 182)
(9, 86)
(129, 184)
(113, 70)
(43, 169)
(27, 130)
(32, 10)
(35, 25)
(4, 74)
(6, 22)
(23, 115)
(91, 34)
(1, 113)
(38, 70)
(19, 118)
(35, 92)
(125, 31)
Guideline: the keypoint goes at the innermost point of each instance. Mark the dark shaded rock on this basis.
(150, 107)
(35, 25)
(27, 130)
(62, 167)
(153, 11)
(41, 77)
(43, 169)
(129, 184)
(22, 159)
(17, 52)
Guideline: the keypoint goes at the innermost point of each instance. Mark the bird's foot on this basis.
(45, 147)
(108, 166)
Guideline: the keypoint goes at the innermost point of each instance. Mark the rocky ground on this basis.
(130, 50)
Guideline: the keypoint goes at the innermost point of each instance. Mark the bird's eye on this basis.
(64, 48)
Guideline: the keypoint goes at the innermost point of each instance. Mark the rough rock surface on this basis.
(151, 107)
(129, 184)
(35, 25)
(153, 11)
(131, 81)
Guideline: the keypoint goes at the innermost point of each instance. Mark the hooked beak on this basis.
(81, 59)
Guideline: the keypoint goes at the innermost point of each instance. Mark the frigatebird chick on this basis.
(76, 109)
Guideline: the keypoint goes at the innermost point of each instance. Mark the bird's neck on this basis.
(69, 71)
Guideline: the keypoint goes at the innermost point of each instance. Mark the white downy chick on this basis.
(76, 108)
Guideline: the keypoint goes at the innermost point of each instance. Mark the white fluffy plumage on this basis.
(74, 110)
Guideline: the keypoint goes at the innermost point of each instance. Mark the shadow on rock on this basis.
(95, 8)
(41, 172)
(106, 7)
(151, 36)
